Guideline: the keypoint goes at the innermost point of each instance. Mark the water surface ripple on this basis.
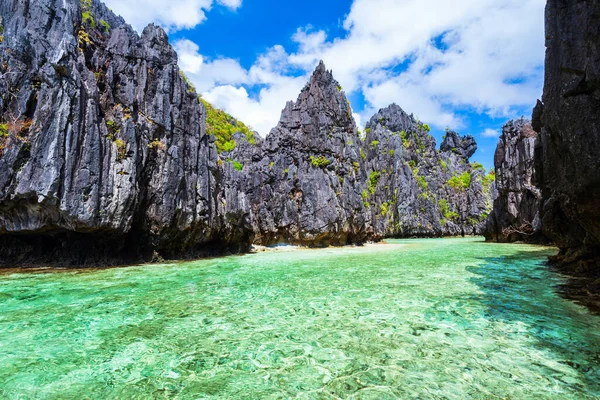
(429, 319)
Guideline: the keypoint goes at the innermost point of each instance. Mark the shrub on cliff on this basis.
(223, 126)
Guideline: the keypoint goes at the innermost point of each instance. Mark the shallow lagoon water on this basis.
(444, 318)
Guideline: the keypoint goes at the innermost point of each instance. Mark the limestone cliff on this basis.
(104, 158)
(415, 190)
(516, 214)
(306, 183)
(568, 150)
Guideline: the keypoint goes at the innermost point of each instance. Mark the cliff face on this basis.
(106, 159)
(517, 206)
(415, 190)
(568, 150)
(305, 182)
(104, 153)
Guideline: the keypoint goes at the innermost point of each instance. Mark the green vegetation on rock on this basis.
(319, 162)
(477, 166)
(443, 165)
(384, 209)
(223, 126)
(106, 25)
(373, 180)
(489, 179)
(422, 183)
(460, 182)
(189, 85)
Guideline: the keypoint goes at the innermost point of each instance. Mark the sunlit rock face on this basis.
(105, 158)
(306, 184)
(516, 214)
(415, 189)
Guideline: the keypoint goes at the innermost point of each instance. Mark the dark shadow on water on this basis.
(522, 288)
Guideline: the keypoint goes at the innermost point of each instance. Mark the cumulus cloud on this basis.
(204, 73)
(490, 133)
(477, 55)
(172, 15)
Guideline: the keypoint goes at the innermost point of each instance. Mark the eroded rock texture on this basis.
(516, 214)
(415, 190)
(305, 184)
(105, 158)
(568, 151)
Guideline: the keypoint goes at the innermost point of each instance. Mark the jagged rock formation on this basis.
(517, 207)
(415, 190)
(305, 184)
(104, 157)
(568, 151)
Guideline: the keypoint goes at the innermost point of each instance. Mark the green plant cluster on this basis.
(477, 166)
(156, 145)
(374, 144)
(223, 126)
(3, 130)
(422, 182)
(106, 25)
(373, 180)
(443, 165)
(385, 209)
(319, 162)
(489, 179)
(460, 182)
(188, 84)
(86, 13)
(404, 138)
(445, 210)
(121, 149)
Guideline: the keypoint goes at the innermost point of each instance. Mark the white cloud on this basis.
(233, 4)
(206, 74)
(463, 56)
(490, 133)
(172, 15)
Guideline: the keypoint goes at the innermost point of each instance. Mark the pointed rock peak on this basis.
(324, 78)
(321, 67)
(321, 103)
(394, 118)
(323, 92)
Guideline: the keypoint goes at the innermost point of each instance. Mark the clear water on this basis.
(453, 318)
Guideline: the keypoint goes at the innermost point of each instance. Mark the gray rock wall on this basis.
(105, 157)
(105, 141)
(305, 186)
(516, 214)
(412, 187)
(568, 150)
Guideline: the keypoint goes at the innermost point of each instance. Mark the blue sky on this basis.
(468, 64)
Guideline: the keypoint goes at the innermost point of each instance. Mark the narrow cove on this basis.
(440, 318)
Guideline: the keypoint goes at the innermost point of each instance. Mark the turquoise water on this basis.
(451, 318)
